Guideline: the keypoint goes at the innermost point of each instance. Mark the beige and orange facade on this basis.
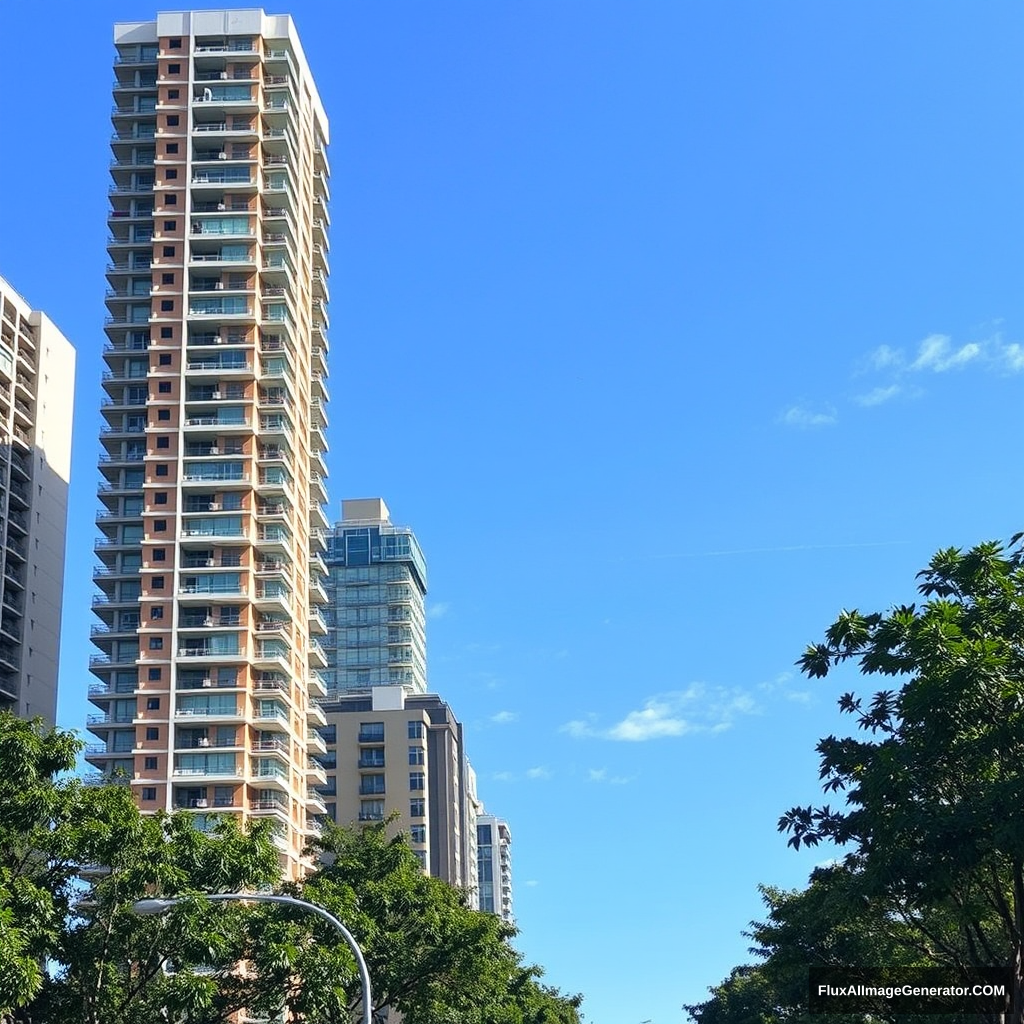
(211, 572)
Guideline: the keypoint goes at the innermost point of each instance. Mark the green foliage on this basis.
(73, 860)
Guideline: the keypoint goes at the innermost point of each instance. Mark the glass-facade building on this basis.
(377, 583)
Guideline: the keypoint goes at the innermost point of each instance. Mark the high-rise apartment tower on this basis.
(211, 570)
(376, 589)
(494, 865)
(37, 383)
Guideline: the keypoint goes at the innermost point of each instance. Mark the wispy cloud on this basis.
(438, 610)
(937, 354)
(697, 709)
(539, 772)
(878, 395)
(504, 777)
(601, 775)
(505, 717)
(805, 419)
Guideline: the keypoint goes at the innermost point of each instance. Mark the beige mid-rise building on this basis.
(37, 390)
(211, 570)
(394, 753)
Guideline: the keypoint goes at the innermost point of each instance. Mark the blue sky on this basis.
(671, 328)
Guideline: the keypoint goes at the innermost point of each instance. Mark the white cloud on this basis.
(1012, 357)
(798, 416)
(885, 358)
(531, 882)
(879, 395)
(936, 353)
(503, 777)
(699, 708)
(540, 772)
(504, 717)
(601, 775)
(438, 610)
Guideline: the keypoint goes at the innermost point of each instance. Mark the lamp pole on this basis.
(152, 907)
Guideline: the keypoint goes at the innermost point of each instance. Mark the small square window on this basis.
(160, 498)
(166, 332)
(157, 611)
(165, 359)
(159, 525)
(149, 793)
(171, 174)
(159, 554)
(173, 120)
(152, 733)
(415, 755)
(174, 44)
(152, 703)
(415, 730)
(150, 766)
(168, 251)
(417, 780)
(157, 583)
(156, 643)
(417, 807)
(174, 69)
(170, 225)
(172, 148)
(163, 415)
(163, 470)
(163, 442)
(173, 94)
(164, 387)
(171, 200)
(155, 674)
(167, 279)
(167, 305)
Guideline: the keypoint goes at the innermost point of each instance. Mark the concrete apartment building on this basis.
(37, 391)
(375, 613)
(211, 573)
(391, 751)
(494, 866)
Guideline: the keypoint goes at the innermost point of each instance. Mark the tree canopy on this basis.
(74, 858)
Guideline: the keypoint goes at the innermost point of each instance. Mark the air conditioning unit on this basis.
(202, 803)
(207, 681)
(223, 76)
(214, 450)
(215, 397)
(219, 286)
(208, 621)
(214, 506)
(210, 563)
(218, 340)
(222, 156)
(221, 207)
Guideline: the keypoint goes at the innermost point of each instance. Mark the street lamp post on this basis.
(152, 907)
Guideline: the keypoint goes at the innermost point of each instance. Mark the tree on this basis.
(430, 955)
(933, 793)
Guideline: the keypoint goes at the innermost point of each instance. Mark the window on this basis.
(416, 780)
(159, 554)
(156, 643)
(371, 810)
(173, 94)
(164, 387)
(159, 525)
(168, 251)
(162, 470)
(149, 792)
(163, 415)
(165, 359)
(172, 148)
(415, 730)
(150, 764)
(157, 583)
(371, 732)
(174, 69)
(417, 807)
(152, 733)
(157, 612)
(170, 225)
(418, 833)
(172, 172)
(160, 498)
(173, 120)
(163, 442)
(174, 44)
(167, 305)
(415, 755)
(171, 200)
(371, 784)
(154, 675)
(153, 704)
(166, 279)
